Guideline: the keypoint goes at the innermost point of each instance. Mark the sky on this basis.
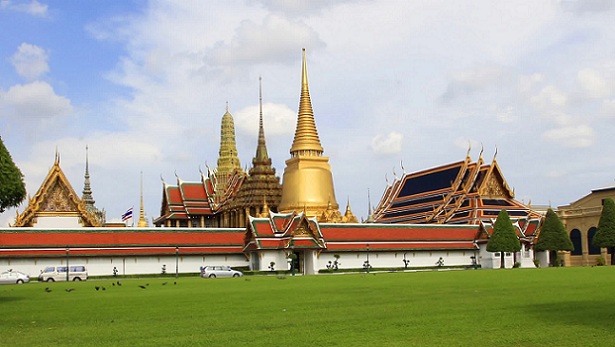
(396, 86)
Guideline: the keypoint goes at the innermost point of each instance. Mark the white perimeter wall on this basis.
(355, 260)
(133, 265)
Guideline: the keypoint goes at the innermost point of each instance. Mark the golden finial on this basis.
(142, 222)
(306, 141)
(469, 149)
(482, 148)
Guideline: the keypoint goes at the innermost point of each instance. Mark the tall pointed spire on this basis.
(228, 161)
(87, 190)
(261, 148)
(142, 223)
(261, 188)
(308, 181)
(306, 139)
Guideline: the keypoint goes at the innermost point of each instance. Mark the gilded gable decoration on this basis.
(56, 197)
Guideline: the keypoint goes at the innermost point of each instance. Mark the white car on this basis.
(219, 271)
(14, 277)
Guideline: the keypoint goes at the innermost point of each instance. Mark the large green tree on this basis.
(504, 238)
(12, 187)
(605, 235)
(553, 237)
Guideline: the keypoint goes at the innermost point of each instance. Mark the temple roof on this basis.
(283, 231)
(120, 241)
(187, 198)
(464, 192)
(56, 197)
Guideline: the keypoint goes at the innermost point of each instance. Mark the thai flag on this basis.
(126, 216)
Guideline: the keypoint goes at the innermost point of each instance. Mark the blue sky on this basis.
(144, 85)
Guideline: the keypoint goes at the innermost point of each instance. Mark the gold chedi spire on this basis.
(308, 183)
(142, 223)
(306, 140)
(228, 161)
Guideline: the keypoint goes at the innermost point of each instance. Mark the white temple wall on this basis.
(377, 259)
(66, 222)
(131, 265)
(543, 258)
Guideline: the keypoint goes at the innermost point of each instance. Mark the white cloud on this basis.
(387, 144)
(30, 61)
(36, 100)
(278, 119)
(579, 136)
(592, 82)
(299, 8)
(34, 7)
(527, 82)
(275, 39)
(470, 81)
(550, 97)
(506, 115)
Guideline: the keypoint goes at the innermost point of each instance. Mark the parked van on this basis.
(58, 273)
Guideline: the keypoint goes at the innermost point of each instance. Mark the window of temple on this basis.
(590, 237)
(577, 242)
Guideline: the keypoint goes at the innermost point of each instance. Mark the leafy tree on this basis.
(504, 237)
(605, 235)
(553, 237)
(12, 187)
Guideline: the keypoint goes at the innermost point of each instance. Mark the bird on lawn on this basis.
(48, 290)
(142, 287)
(118, 283)
(97, 287)
(68, 290)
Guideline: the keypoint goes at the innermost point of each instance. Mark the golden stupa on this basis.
(307, 182)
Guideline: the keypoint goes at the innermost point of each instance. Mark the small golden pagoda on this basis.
(142, 221)
(308, 183)
(228, 161)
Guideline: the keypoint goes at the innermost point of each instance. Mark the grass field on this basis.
(519, 307)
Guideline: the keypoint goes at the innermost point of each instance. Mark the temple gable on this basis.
(56, 204)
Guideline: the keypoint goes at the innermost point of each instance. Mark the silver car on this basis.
(219, 271)
(14, 277)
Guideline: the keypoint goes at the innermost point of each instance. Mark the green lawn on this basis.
(518, 307)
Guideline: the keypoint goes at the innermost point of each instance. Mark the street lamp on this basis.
(367, 266)
(176, 262)
(67, 266)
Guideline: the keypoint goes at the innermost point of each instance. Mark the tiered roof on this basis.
(464, 192)
(284, 231)
(188, 199)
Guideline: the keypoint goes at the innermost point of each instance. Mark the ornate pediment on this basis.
(494, 185)
(56, 196)
(58, 199)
